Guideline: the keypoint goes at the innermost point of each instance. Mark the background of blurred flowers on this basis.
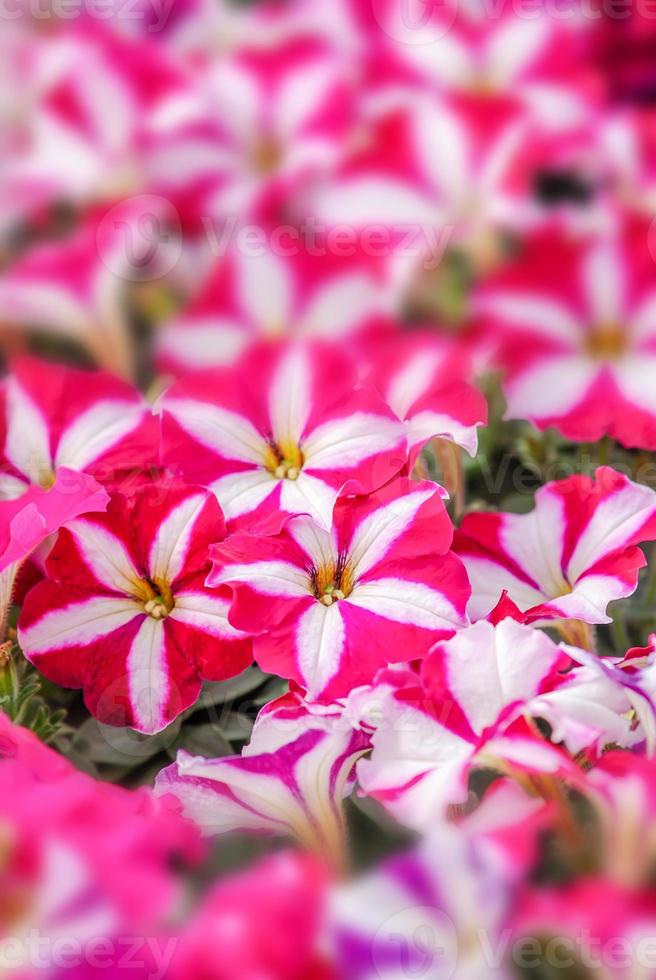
(459, 198)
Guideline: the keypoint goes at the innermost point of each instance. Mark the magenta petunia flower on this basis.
(124, 612)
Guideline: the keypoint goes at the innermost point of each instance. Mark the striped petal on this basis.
(224, 432)
(77, 624)
(408, 602)
(320, 637)
(173, 539)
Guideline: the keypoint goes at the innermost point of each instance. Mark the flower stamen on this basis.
(157, 599)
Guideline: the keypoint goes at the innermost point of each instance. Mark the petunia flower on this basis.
(569, 557)
(424, 381)
(267, 920)
(124, 613)
(250, 297)
(576, 326)
(54, 416)
(67, 840)
(289, 780)
(285, 432)
(444, 171)
(76, 287)
(330, 607)
(464, 711)
(280, 118)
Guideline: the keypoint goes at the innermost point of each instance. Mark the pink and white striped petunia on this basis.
(54, 416)
(576, 324)
(249, 297)
(76, 287)
(465, 710)
(290, 779)
(124, 613)
(285, 432)
(475, 703)
(332, 606)
(423, 379)
(432, 730)
(569, 557)
(280, 117)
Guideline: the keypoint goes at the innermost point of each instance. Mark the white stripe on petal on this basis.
(263, 801)
(27, 444)
(289, 398)
(266, 292)
(411, 382)
(604, 282)
(617, 518)
(553, 387)
(491, 667)
(77, 625)
(148, 676)
(634, 376)
(226, 433)
(319, 646)
(535, 541)
(340, 306)
(378, 532)
(96, 431)
(209, 613)
(267, 577)
(342, 443)
(168, 551)
(537, 313)
(106, 556)
(488, 579)
(300, 95)
(240, 493)
(643, 323)
(426, 425)
(406, 602)
(309, 495)
(319, 544)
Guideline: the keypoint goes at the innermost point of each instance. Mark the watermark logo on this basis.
(416, 942)
(140, 239)
(415, 22)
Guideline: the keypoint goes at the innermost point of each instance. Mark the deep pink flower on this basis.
(265, 295)
(285, 432)
(67, 841)
(568, 558)
(576, 324)
(330, 607)
(267, 921)
(424, 380)
(54, 416)
(124, 612)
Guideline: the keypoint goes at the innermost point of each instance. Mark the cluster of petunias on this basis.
(292, 245)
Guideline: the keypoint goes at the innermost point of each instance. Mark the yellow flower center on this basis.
(606, 342)
(156, 597)
(332, 582)
(284, 460)
(267, 156)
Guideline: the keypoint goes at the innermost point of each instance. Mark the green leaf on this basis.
(121, 747)
(219, 692)
(206, 740)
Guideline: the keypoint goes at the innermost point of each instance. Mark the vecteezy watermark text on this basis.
(151, 956)
(155, 13)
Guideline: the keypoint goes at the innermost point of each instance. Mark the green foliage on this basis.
(21, 696)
